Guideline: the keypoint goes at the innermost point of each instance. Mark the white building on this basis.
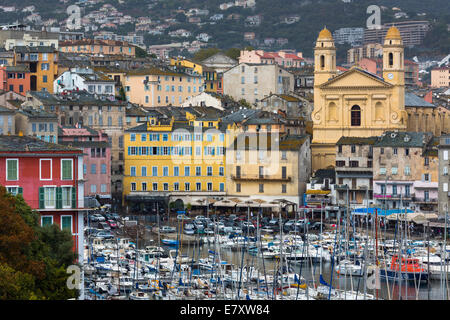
(80, 79)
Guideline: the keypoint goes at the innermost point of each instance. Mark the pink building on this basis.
(285, 59)
(375, 66)
(97, 159)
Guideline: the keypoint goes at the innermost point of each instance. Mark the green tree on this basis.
(140, 53)
(233, 53)
(203, 54)
(33, 259)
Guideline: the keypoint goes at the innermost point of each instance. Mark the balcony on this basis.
(425, 200)
(249, 177)
(396, 196)
(310, 200)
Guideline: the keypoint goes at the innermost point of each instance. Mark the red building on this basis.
(15, 79)
(49, 177)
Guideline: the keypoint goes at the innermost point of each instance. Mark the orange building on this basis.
(15, 79)
(105, 47)
(42, 63)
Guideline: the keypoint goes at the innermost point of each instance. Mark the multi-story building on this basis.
(267, 165)
(412, 32)
(353, 36)
(96, 46)
(291, 104)
(50, 179)
(15, 78)
(38, 123)
(405, 171)
(11, 38)
(97, 112)
(354, 170)
(42, 63)
(253, 82)
(7, 121)
(284, 58)
(210, 76)
(370, 50)
(444, 176)
(97, 158)
(84, 79)
(169, 160)
(155, 87)
(219, 62)
(440, 77)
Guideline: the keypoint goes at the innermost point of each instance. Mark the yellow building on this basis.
(210, 76)
(355, 103)
(155, 87)
(43, 65)
(168, 160)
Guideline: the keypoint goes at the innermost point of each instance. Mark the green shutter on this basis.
(41, 198)
(20, 191)
(12, 170)
(74, 198)
(58, 197)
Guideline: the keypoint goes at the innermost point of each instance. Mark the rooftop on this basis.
(31, 144)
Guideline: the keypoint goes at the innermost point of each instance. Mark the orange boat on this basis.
(409, 269)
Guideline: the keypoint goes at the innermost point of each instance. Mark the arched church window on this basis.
(391, 59)
(356, 116)
(322, 61)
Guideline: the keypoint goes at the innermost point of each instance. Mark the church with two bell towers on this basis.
(355, 103)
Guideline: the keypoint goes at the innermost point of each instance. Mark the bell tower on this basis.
(324, 58)
(393, 58)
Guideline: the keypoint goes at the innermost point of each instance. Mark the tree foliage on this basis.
(33, 259)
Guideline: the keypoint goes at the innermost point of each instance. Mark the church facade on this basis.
(355, 103)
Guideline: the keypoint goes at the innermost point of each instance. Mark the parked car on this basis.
(167, 229)
(209, 231)
(104, 226)
(198, 224)
(112, 224)
(288, 225)
(104, 235)
(316, 225)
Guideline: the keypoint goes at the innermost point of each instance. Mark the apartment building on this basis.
(97, 46)
(253, 82)
(444, 177)
(440, 77)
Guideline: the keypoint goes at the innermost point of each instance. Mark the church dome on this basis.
(393, 33)
(325, 34)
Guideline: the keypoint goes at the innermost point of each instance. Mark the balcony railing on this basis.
(397, 196)
(250, 177)
(425, 200)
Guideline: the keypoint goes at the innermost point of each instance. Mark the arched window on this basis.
(322, 61)
(391, 59)
(356, 116)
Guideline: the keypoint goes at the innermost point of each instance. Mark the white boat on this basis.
(347, 267)
(139, 295)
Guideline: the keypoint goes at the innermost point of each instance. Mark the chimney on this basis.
(428, 97)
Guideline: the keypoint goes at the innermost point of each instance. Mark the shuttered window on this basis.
(12, 166)
(66, 223)
(66, 169)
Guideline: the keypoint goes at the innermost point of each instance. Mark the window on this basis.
(186, 171)
(198, 171)
(49, 197)
(209, 186)
(198, 186)
(395, 150)
(356, 116)
(66, 169)
(12, 169)
(103, 188)
(261, 188)
(353, 149)
(155, 171)
(354, 164)
(426, 177)
(238, 187)
(382, 170)
(407, 170)
(93, 188)
(394, 170)
(394, 190)
(187, 186)
(132, 171)
(94, 168)
(283, 188)
(283, 172)
(445, 154)
(165, 186)
(283, 155)
(445, 187)
(209, 171)
(176, 171)
(221, 172)
(176, 186)
(221, 187)
(427, 161)
(381, 150)
(133, 137)
(46, 221)
(66, 197)
(340, 163)
(144, 186)
(406, 151)
(103, 168)
(133, 186)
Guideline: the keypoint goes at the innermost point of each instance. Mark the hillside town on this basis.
(100, 140)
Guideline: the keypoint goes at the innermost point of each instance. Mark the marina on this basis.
(341, 260)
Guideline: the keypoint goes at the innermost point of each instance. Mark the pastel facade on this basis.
(106, 47)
